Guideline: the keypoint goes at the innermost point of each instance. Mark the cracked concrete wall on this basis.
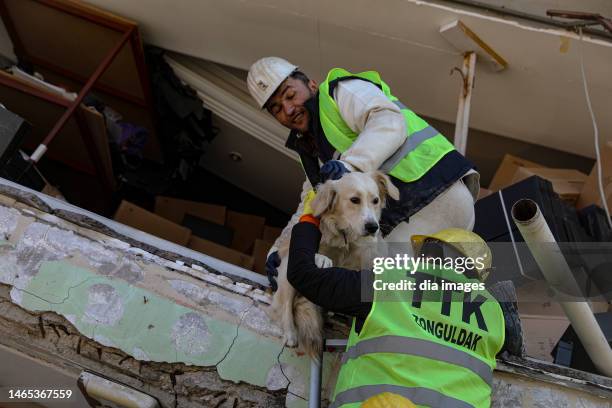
(136, 306)
(79, 299)
(510, 390)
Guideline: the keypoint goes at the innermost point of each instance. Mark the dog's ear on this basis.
(385, 186)
(325, 198)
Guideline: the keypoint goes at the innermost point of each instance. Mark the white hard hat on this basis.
(266, 75)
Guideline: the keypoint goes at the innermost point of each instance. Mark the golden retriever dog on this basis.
(349, 210)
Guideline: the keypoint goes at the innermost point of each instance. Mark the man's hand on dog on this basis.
(274, 261)
(272, 264)
(333, 170)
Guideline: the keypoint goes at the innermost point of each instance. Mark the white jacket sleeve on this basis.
(378, 122)
(286, 233)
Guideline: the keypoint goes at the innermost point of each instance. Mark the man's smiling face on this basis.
(287, 103)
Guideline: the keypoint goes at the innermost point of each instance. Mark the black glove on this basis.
(272, 264)
(505, 293)
(332, 170)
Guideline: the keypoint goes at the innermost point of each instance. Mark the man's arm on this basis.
(335, 289)
(378, 122)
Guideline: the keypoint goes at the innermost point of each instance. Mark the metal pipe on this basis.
(86, 88)
(587, 18)
(314, 395)
(316, 366)
(503, 11)
(465, 100)
(556, 271)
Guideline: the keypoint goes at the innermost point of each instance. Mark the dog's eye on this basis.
(375, 201)
(355, 200)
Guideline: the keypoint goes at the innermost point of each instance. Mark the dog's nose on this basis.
(371, 227)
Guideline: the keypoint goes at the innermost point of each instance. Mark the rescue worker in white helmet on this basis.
(436, 347)
(352, 122)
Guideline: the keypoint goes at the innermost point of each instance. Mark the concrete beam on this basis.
(113, 300)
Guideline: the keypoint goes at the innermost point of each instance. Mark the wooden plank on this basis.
(97, 129)
(247, 228)
(221, 252)
(74, 43)
(139, 218)
(174, 209)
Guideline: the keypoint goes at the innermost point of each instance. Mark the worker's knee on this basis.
(453, 208)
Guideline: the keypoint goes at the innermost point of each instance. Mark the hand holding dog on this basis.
(333, 170)
(272, 264)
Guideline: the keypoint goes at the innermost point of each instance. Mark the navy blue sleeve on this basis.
(335, 289)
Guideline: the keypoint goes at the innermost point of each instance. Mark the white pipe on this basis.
(38, 153)
(556, 271)
(465, 100)
(96, 387)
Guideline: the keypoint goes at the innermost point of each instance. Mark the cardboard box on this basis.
(484, 192)
(53, 192)
(260, 254)
(247, 228)
(543, 319)
(209, 230)
(271, 233)
(590, 192)
(541, 334)
(174, 209)
(220, 252)
(568, 183)
(505, 172)
(137, 217)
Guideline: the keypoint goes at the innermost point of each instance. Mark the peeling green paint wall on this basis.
(151, 328)
(127, 317)
(146, 310)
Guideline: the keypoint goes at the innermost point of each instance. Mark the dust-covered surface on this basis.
(15, 193)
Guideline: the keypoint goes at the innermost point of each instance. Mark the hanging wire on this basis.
(595, 133)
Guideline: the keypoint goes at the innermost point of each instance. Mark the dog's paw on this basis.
(322, 261)
(290, 339)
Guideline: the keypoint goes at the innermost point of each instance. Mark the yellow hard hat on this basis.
(387, 400)
(468, 243)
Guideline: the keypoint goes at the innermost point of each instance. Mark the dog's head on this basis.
(350, 207)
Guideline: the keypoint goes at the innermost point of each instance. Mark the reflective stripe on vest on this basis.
(399, 104)
(410, 144)
(420, 348)
(419, 396)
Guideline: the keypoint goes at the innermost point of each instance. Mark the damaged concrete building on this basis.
(83, 294)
